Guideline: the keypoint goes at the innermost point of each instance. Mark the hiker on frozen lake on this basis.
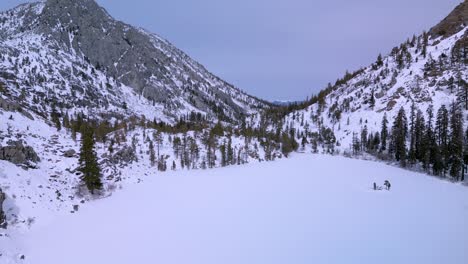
(387, 185)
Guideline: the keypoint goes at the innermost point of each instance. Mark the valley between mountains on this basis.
(117, 147)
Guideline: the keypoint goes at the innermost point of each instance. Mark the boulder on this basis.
(69, 153)
(3, 222)
(124, 156)
(17, 153)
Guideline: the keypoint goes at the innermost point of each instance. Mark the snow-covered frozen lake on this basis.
(307, 209)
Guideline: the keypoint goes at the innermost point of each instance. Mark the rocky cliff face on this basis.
(73, 54)
(453, 23)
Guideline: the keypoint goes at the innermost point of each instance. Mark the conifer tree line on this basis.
(196, 143)
(434, 141)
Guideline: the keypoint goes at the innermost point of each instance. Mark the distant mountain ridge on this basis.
(284, 102)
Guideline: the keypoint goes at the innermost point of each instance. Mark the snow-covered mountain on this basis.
(61, 58)
(430, 69)
(71, 54)
(68, 61)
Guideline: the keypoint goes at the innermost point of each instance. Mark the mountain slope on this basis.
(428, 70)
(75, 56)
(453, 23)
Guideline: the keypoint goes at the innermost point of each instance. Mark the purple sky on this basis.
(285, 50)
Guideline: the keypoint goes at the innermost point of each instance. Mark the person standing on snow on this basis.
(387, 185)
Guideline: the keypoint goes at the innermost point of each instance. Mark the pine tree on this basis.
(304, 142)
(379, 61)
(463, 93)
(399, 135)
(451, 84)
(408, 57)
(400, 60)
(413, 41)
(442, 135)
(420, 145)
(288, 144)
(185, 154)
(430, 143)
(222, 149)
(384, 133)
(66, 120)
(438, 166)
(210, 142)
(111, 146)
(425, 43)
(372, 98)
(55, 116)
(364, 135)
(176, 142)
(356, 145)
(376, 141)
(456, 142)
(162, 163)
(89, 167)
(328, 138)
(158, 138)
(194, 152)
(412, 148)
(230, 152)
(218, 130)
(465, 156)
(152, 153)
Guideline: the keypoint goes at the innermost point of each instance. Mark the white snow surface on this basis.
(307, 209)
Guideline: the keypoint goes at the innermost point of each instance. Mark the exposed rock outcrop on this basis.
(12, 106)
(453, 22)
(124, 156)
(18, 153)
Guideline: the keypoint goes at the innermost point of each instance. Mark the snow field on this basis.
(307, 209)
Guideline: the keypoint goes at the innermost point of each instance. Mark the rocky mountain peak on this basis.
(71, 16)
(88, 53)
(87, 6)
(75, 11)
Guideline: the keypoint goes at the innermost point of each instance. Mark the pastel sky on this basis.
(280, 49)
